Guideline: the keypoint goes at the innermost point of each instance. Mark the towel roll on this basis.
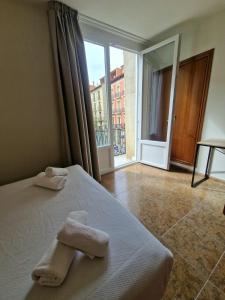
(54, 265)
(52, 171)
(54, 183)
(89, 240)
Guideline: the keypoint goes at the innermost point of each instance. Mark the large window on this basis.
(95, 56)
(117, 90)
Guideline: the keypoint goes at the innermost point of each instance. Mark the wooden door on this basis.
(190, 101)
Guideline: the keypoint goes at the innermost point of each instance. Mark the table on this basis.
(211, 144)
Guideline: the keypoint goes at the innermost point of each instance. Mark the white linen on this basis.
(137, 264)
(53, 183)
(53, 171)
(79, 215)
(84, 238)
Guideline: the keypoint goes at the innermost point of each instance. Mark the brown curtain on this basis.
(78, 134)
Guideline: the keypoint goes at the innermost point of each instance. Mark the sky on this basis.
(95, 61)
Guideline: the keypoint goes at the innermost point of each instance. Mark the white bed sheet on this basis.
(136, 267)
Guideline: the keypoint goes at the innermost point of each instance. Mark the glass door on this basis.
(123, 66)
(112, 84)
(158, 71)
(98, 69)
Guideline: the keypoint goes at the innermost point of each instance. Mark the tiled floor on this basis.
(188, 221)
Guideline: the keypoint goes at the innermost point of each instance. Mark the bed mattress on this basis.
(137, 265)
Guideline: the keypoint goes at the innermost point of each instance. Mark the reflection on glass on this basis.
(157, 73)
(96, 71)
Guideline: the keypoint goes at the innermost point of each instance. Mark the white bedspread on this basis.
(137, 265)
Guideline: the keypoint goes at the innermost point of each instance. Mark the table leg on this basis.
(208, 163)
(195, 162)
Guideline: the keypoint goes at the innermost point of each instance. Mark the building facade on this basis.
(99, 107)
(118, 97)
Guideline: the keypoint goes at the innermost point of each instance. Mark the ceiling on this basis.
(145, 18)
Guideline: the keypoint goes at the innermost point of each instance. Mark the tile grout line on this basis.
(213, 284)
(179, 221)
(196, 206)
(210, 276)
(188, 263)
(223, 253)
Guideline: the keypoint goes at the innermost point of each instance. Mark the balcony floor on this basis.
(121, 160)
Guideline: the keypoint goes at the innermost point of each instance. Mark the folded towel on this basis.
(55, 263)
(53, 183)
(51, 171)
(91, 241)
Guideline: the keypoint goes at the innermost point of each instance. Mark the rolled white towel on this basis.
(55, 263)
(53, 183)
(89, 240)
(52, 171)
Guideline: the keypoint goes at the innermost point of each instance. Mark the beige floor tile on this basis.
(208, 223)
(185, 281)
(187, 220)
(210, 292)
(200, 254)
(218, 277)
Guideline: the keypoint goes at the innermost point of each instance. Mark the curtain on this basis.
(78, 134)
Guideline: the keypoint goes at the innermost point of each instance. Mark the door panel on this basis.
(156, 109)
(100, 100)
(192, 85)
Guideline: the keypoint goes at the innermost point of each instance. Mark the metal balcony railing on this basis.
(118, 136)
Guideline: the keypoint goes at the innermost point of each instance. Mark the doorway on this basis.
(123, 69)
(190, 103)
(172, 111)
(112, 84)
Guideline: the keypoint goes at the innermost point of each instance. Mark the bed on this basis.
(137, 265)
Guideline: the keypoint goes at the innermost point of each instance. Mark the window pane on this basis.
(97, 85)
(123, 93)
(157, 73)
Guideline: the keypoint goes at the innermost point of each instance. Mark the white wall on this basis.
(199, 36)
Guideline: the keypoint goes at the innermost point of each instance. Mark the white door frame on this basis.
(166, 145)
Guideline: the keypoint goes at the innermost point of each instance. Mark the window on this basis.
(118, 107)
(112, 95)
(95, 56)
(118, 91)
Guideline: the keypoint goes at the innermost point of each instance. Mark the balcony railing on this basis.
(118, 136)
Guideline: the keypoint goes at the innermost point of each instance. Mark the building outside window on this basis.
(118, 106)
(117, 91)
